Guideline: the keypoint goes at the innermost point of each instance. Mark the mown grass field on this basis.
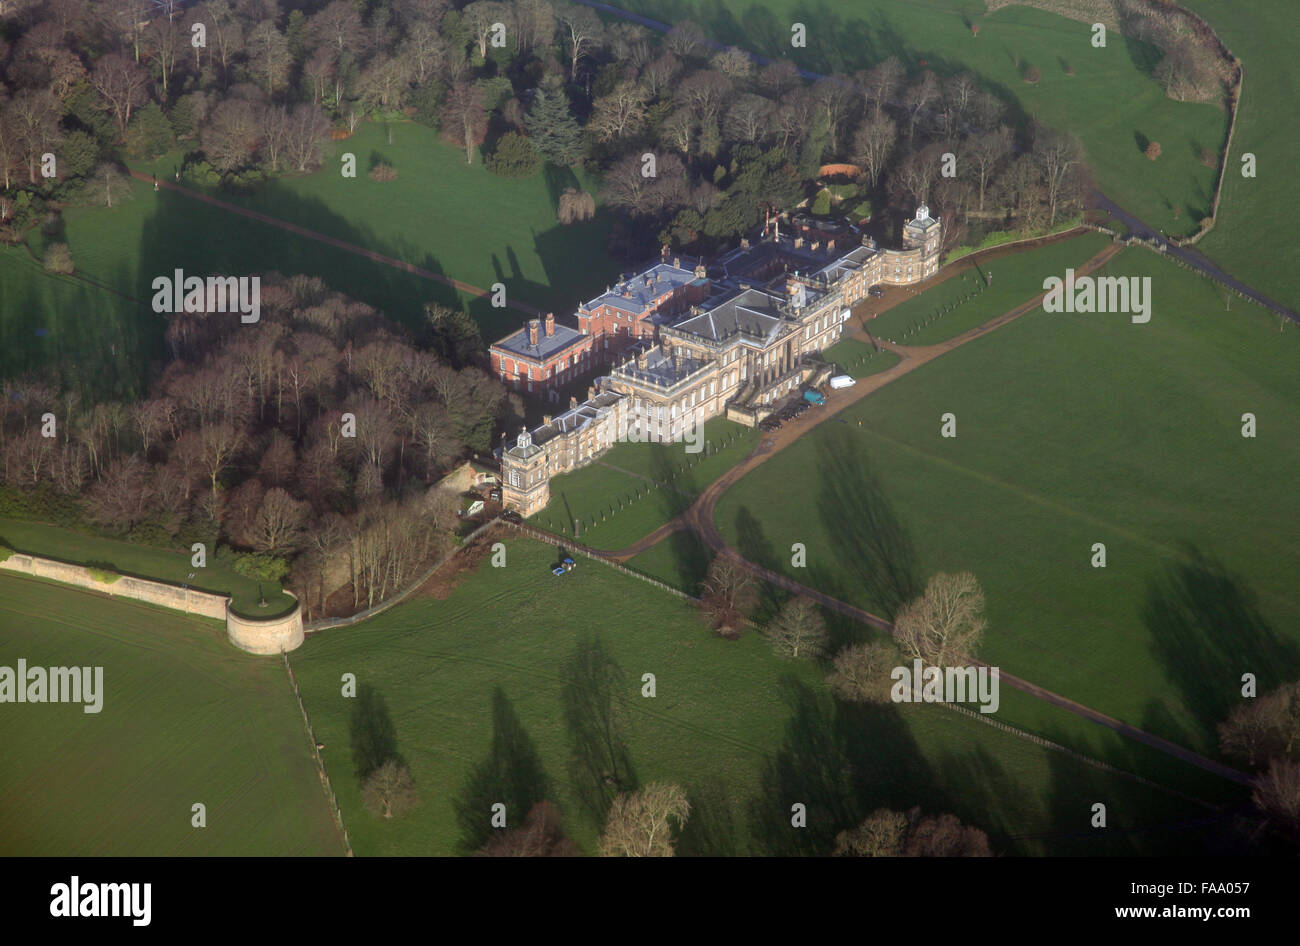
(454, 220)
(973, 297)
(1074, 430)
(186, 718)
(1110, 101)
(446, 216)
(97, 342)
(653, 481)
(1255, 238)
(482, 696)
(131, 558)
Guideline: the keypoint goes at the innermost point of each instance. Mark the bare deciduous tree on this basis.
(122, 84)
(1264, 728)
(540, 835)
(640, 824)
(882, 834)
(944, 625)
(389, 791)
(861, 672)
(798, 630)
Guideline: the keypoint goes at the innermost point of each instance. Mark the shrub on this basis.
(58, 259)
(383, 173)
(513, 156)
(575, 206)
(5, 553)
(150, 133)
(1031, 74)
(1153, 150)
(103, 575)
(821, 205)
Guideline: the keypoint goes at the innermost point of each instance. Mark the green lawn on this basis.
(446, 216)
(131, 558)
(1110, 102)
(95, 341)
(859, 359)
(655, 482)
(1073, 430)
(1011, 280)
(1255, 236)
(441, 215)
(186, 719)
(486, 705)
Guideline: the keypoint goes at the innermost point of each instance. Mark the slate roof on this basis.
(751, 311)
(546, 348)
(633, 295)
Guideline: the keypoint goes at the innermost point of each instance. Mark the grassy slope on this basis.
(748, 734)
(186, 718)
(1013, 279)
(1109, 101)
(131, 558)
(1077, 429)
(1255, 236)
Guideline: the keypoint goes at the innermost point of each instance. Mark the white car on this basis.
(842, 381)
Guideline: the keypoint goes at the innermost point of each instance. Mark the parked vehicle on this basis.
(842, 381)
(558, 570)
(876, 291)
(814, 397)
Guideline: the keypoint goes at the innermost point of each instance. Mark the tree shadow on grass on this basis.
(510, 775)
(592, 688)
(841, 761)
(868, 542)
(1207, 631)
(371, 732)
(710, 831)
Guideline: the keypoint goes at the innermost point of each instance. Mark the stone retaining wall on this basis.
(257, 636)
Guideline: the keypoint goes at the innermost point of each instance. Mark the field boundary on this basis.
(255, 635)
(1074, 754)
(335, 811)
(596, 555)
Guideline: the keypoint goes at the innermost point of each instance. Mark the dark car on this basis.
(876, 292)
(511, 516)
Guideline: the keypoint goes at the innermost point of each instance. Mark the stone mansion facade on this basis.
(684, 345)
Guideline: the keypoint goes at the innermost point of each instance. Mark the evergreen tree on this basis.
(551, 126)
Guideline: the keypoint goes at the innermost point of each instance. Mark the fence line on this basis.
(1057, 747)
(595, 555)
(320, 763)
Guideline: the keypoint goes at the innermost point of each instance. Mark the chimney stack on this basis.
(677, 262)
(546, 420)
(798, 242)
(550, 324)
(573, 402)
(533, 327)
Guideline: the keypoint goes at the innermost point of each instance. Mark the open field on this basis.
(1255, 238)
(1011, 280)
(441, 215)
(1110, 101)
(131, 558)
(487, 706)
(1073, 430)
(654, 481)
(446, 216)
(186, 718)
(98, 342)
